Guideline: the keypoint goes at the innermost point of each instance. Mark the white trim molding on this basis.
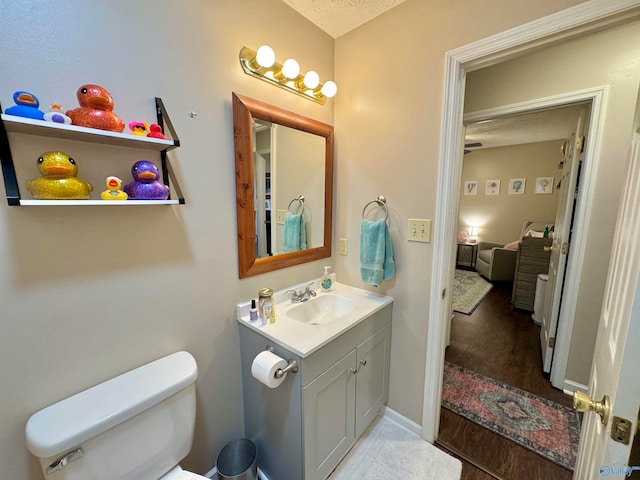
(570, 387)
(582, 19)
(401, 420)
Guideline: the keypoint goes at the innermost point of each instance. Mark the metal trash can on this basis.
(238, 461)
(538, 303)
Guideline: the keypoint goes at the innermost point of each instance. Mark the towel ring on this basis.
(381, 201)
(300, 199)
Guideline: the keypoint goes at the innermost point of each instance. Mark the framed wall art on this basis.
(516, 186)
(471, 187)
(492, 187)
(544, 185)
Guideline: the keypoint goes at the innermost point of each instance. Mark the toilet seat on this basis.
(178, 473)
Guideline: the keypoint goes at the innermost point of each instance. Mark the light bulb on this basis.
(329, 89)
(265, 56)
(311, 79)
(290, 68)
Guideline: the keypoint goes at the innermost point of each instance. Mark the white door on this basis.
(616, 360)
(561, 238)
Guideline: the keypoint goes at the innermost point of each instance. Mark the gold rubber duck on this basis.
(58, 181)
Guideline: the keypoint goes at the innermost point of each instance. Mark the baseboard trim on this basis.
(570, 386)
(401, 420)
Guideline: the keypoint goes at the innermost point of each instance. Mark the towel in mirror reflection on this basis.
(295, 234)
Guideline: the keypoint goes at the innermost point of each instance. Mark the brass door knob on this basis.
(583, 403)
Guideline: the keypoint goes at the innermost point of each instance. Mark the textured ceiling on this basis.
(533, 127)
(337, 17)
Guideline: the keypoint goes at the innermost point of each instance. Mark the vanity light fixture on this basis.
(262, 64)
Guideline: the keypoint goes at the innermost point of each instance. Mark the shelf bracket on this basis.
(8, 169)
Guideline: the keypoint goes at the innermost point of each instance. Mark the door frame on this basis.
(580, 20)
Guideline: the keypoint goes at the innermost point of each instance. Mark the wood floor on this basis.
(504, 344)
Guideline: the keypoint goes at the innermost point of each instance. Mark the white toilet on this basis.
(137, 426)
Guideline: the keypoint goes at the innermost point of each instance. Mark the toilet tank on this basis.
(136, 426)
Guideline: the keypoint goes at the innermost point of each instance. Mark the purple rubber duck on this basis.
(145, 185)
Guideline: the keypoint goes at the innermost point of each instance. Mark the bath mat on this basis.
(540, 425)
(469, 289)
(388, 451)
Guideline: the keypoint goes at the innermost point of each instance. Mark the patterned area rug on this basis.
(469, 289)
(544, 427)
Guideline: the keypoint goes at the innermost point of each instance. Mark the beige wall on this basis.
(612, 59)
(500, 217)
(87, 293)
(388, 115)
(101, 305)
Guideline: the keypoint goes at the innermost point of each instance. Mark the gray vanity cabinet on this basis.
(372, 383)
(328, 405)
(305, 426)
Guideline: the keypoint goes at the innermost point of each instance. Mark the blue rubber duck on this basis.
(145, 185)
(26, 106)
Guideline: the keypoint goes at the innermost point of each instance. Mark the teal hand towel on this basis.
(376, 252)
(294, 235)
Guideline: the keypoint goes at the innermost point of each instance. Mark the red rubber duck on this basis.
(96, 109)
(155, 131)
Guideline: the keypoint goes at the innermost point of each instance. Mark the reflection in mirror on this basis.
(284, 187)
(289, 188)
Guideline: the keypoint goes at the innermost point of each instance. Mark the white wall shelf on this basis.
(40, 128)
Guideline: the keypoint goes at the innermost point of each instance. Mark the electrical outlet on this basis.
(419, 230)
(343, 246)
(280, 216)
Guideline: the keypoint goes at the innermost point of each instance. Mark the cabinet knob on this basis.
(353, 370)
(547, 249)
(363, 362)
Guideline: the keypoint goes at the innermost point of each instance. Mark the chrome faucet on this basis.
(303, 295)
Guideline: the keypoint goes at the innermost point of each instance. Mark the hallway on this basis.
(503, 344)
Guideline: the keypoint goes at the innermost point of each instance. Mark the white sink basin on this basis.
(305, 327)
(322, 310)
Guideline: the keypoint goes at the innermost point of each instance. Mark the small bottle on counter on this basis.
(326, 281)
(265, 306)
(253, 311)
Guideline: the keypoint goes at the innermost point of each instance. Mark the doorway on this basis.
(491, 51)
(499, 340)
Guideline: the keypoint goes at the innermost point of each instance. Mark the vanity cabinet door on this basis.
(329, 415)
(372, 380)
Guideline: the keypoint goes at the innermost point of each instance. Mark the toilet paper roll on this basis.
(264, 368)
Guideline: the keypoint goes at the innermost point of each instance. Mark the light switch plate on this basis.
(280, 216)
(343, 246)
(419, 230)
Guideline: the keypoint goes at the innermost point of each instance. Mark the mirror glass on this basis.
(284, 187)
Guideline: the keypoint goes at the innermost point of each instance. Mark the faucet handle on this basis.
(309, 291)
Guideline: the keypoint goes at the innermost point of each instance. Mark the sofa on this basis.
(496, 263)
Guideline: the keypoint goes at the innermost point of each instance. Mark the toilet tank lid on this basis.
(64, 425)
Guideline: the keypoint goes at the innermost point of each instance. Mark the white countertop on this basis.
(304, 339)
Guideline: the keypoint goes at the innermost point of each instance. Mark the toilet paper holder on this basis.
(292, 366)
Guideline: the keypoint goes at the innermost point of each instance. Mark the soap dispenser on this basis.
(326, 281)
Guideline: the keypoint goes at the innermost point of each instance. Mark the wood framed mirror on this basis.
(271, 180)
